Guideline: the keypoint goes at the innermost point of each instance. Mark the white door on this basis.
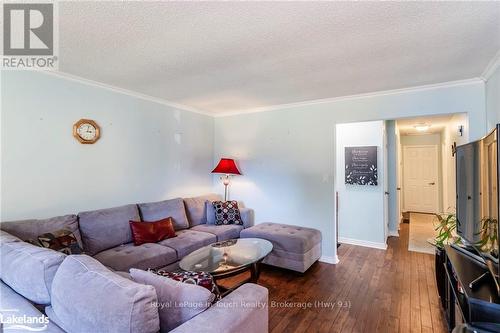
(420, 179)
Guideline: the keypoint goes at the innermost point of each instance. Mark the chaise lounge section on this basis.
(294, 247)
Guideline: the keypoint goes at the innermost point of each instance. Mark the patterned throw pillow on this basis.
(61, 240)
(227, 212)
(201, 279)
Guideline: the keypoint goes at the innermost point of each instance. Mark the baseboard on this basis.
(394, 233)
(364, 243)
(329, 260)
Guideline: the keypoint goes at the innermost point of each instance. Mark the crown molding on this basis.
(127, 92)
(447, 84)
(490, 69)
(492, 66)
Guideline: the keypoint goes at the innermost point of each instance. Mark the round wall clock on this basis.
(86, 131)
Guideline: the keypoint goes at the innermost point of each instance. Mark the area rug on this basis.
(421, 229)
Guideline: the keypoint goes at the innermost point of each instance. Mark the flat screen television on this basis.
(477, 199)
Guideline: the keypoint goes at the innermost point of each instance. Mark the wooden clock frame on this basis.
(86, 121)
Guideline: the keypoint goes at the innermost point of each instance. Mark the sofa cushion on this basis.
(124, 257)
(13, 301)
(29, 269)
(174, 208)
(285, 237)
(88, 297)
(188, 241)
(178, 301)
(106, 228)
(222, 232)
(249, 310)
(31, 229)
(196, 208)
(247, 216)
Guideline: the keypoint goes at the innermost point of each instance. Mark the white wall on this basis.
(147, 151)
(448, 137)
(287, 155)
(361, 208)
(493, 98)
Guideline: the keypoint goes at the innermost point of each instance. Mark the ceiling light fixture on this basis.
(422, 127)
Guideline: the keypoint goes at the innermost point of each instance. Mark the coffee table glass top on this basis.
(226, 256)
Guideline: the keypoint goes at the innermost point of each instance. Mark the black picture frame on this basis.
(361, 165)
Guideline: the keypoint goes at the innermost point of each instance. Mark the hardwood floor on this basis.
(370, 290)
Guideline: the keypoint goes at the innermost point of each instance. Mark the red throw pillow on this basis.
(152, 232)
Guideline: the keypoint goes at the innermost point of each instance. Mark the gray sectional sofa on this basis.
(94, 292)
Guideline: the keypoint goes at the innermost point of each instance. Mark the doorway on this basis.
(425, 173)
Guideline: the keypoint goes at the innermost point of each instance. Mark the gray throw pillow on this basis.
(177, 301)
(195, 208)
(210, 212)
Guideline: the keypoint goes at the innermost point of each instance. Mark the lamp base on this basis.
(226, 180)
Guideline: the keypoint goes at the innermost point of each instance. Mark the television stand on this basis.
(479, 304)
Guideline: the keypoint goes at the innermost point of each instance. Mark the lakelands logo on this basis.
(11, 319)
(29, 36)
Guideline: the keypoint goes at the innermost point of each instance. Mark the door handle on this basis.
(433, 183)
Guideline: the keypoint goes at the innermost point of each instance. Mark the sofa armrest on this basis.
(243, 310)
(247, 217)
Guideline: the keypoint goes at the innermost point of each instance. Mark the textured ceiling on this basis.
(231, 56)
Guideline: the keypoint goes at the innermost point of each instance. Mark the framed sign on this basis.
(361, 165)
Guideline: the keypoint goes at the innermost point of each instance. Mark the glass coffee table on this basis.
(229, 258)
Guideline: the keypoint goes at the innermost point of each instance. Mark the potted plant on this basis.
(446, 227)
(488, 236)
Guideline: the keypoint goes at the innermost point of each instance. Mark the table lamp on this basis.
(227, 168)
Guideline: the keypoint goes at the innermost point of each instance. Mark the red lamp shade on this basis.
(226, 166)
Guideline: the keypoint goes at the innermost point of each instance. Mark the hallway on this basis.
(421, 230)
